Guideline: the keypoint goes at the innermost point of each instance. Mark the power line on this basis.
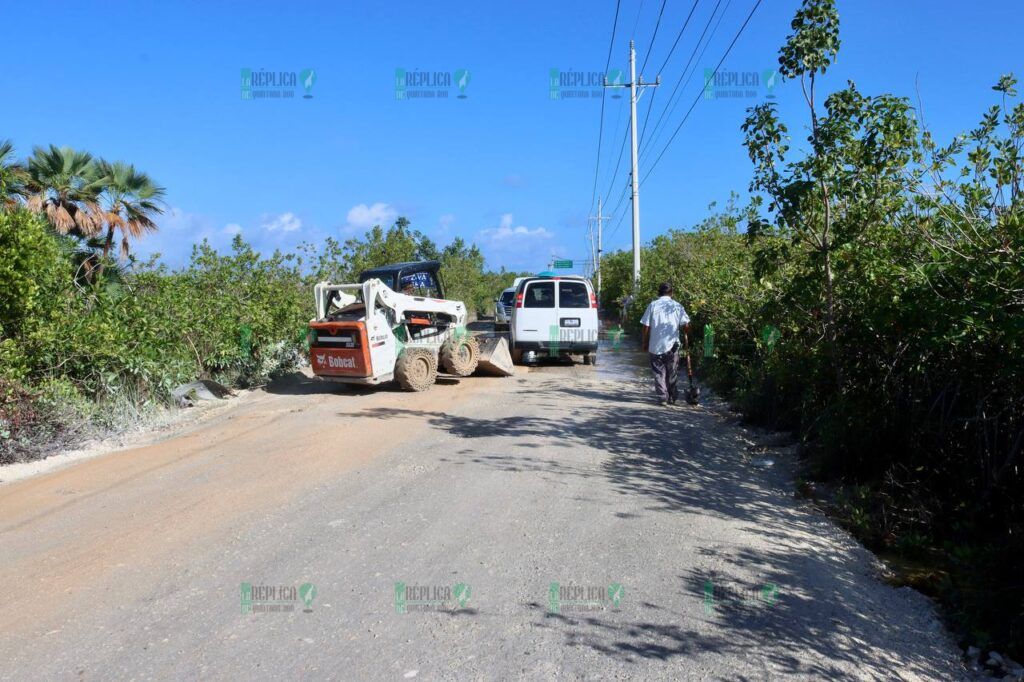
(618, 162)
(701, 91)
(622, 148)
(650, 103)
(686, 68)
(678, 36)
(600, 130)
(625, 135)
(671, 96)
(614, 230)
(637, 21)
(622, 198)
(650, 45)
(670, 107)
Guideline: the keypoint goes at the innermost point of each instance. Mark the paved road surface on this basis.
(131, 565)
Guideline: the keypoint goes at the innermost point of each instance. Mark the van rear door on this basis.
(577, 318)
(538, 317)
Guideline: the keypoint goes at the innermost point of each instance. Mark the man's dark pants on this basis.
(665, 367)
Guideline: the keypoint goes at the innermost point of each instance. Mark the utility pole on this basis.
(635, 87)
(597, 262)
(593, 248)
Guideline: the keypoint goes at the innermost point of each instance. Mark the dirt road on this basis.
(554, 523)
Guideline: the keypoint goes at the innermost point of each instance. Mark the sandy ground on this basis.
(130, 564)
(152, 429)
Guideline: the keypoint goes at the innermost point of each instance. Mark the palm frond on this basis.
(59, 217)
(6, 152)
(114, 219)
(137, 227)
(90, 217)
(132, 195)
(13, 176)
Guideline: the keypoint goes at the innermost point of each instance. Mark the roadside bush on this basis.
(86, 355)
(32, 269)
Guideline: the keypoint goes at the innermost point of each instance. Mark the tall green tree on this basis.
(462, 268)
(399, 243)
(852, 179)
(808, 51)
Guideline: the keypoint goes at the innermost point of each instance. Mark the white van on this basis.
(554, 317)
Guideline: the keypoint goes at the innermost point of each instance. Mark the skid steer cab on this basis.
(393, 325)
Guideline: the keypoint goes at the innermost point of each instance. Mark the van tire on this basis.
(590, 359)
(460, 355)
(416, 369)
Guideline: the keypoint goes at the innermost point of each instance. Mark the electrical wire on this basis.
(701, 92)
(600, 130)
(682, 75)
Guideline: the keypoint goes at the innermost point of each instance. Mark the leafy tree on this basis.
(462, 269)
(398, 244)
(851, 180)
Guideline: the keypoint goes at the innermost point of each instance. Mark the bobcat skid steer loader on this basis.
(368, 333)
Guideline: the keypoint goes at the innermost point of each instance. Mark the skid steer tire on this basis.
(459, 356)
(416, 369)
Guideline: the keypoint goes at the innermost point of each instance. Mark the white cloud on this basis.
(507, 230)
(179, 230)
(286, 222)
(516, 247)
(446, 220)
(363, 217)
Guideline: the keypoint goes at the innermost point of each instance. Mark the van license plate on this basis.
(570, 321)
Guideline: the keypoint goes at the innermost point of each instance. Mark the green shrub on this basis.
(33, 269)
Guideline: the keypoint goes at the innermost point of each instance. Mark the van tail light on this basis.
(593, 300)
(519, 300)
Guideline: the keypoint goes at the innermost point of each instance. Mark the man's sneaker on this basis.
(664, 403)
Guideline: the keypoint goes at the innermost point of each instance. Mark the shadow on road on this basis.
(690, 460)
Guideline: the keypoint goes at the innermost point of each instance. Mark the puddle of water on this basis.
(621, 361)
(619, 357)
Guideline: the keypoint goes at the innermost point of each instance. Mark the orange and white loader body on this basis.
(361, 332)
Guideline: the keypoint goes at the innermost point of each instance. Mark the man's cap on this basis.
(665, 289)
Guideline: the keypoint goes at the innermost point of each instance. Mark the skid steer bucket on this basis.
(494, 357)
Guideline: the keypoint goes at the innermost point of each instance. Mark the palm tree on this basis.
(62, 184)
(130, 201)
(12, 176)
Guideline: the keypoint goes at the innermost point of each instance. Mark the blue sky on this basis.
(158, 84)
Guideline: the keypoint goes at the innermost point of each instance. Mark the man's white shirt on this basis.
(664, 317)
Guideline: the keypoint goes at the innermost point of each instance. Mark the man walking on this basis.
(661, 322)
